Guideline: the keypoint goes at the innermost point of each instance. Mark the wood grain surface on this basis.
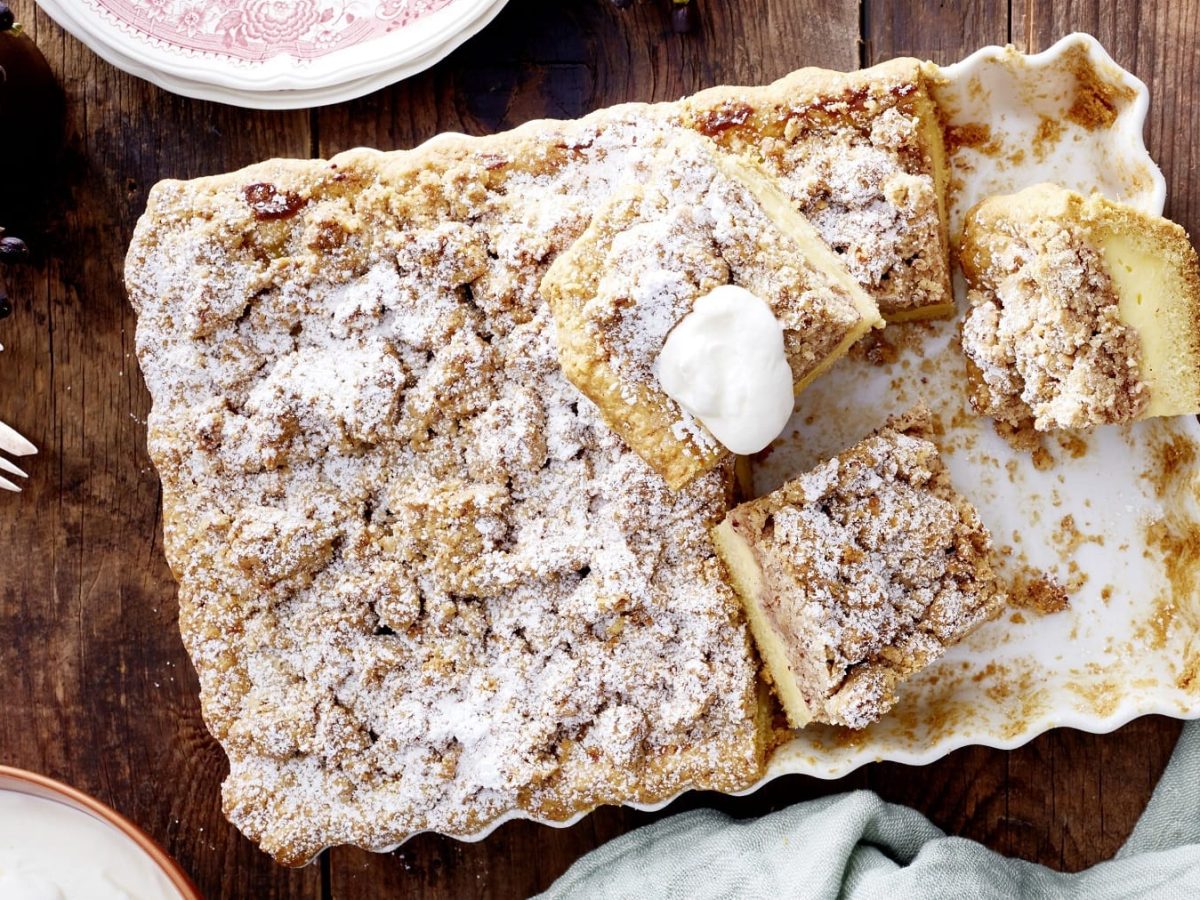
(95, 687)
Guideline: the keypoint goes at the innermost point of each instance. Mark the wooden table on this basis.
(95, 687)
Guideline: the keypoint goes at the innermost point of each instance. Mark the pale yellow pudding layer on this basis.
(930, 137)
(747, 580)
(1153, 268)
(1083, 311)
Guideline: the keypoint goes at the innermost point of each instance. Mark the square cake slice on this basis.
(1083, 311)
(699, 219)
(862, 156)
(860, 573)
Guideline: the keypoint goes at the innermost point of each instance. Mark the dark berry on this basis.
(5, 306)
(622, 4)
(7, 19)
(13, 250)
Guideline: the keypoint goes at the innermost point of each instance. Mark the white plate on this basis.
(310, 76)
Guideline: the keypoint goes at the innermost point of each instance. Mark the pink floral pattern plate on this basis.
(258, 29)
(272, 52)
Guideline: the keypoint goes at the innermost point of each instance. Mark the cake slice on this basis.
(862, 156)
(860, 573)
(1082, 311)
(700, 219)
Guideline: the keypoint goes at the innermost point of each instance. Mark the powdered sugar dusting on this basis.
(690, 223)
(1043, 331)
(421, 582)
(873, 566)
(862, 168)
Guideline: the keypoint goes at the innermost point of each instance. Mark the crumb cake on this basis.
(423, 585)
(860, 573)
(862, 156)
(698, 220)
(1082, 312)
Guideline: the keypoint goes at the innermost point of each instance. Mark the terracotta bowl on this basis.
(21, 782)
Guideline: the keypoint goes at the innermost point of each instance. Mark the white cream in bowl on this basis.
(51, 851)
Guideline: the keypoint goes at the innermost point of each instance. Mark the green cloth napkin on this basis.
(857, 846)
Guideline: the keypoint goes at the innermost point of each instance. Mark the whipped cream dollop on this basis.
(49, 851)
(724, 363)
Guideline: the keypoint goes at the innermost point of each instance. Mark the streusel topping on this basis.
(695, 221)
(1044, 332)
(864, 168)
(422, 583)
(880, 548)
(694, 228)
(872, 564)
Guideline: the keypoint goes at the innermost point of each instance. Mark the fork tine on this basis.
(6, 466)
(13, 442)
(7, 485)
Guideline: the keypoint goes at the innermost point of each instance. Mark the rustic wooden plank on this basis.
(1073, 798)
(547, 58)
(97, 689)
(942, 32)
(1131, 764)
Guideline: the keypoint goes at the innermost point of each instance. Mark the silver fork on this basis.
(14, 444)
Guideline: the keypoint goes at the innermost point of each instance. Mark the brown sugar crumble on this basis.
(877, 349)
(1068, 537)
(1177, 544)
(423, 585)
(1074, 445)
(1043, 337)
(860, 573)
(1038, 591)
(976, 135)
(1024, 438)
(1096, 101)
(1049, 133)
(1173, 459)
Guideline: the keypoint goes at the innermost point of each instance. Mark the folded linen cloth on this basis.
(856, 846)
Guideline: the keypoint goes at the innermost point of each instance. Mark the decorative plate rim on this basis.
(34, 784)
(1095, 50)
(276, 99)
(390, 52)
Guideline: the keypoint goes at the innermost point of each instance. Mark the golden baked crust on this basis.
(698, 220)
(860, 573)
(422, 584)
(1083, 311)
